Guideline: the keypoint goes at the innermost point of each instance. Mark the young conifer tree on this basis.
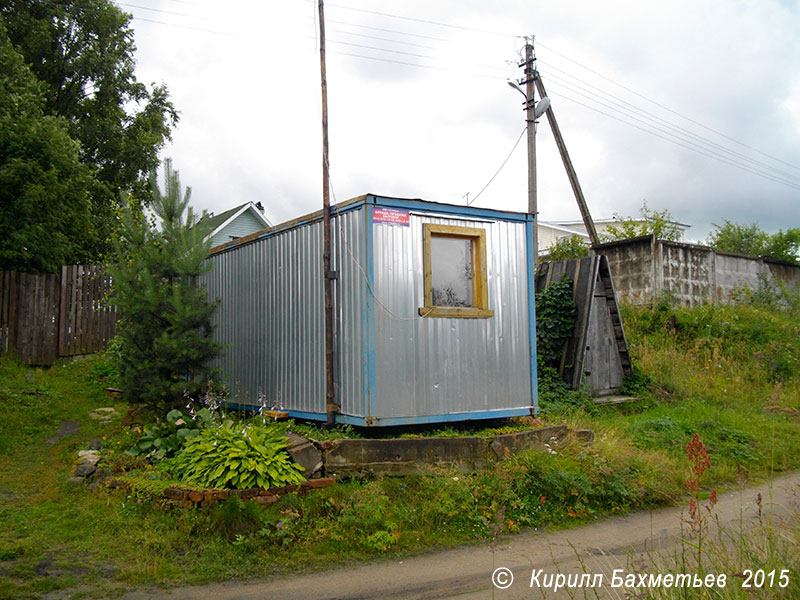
(165, 322)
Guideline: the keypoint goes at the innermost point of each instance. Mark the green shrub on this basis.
(555, 321)
(162, 440)
(574, 246)
(236, 457)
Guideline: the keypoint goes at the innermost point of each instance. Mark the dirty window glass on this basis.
(451, 271)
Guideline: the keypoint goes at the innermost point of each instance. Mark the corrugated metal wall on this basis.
(390, 362)
(271, 317)
(432, 366)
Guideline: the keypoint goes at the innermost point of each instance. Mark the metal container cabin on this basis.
(395, 362)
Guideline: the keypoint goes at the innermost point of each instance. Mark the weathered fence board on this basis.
(44, 316)
(596, 355)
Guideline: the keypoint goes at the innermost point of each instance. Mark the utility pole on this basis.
(331, 408)
(573, 177)
(530, 119)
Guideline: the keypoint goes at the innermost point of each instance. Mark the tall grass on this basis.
(727, 373)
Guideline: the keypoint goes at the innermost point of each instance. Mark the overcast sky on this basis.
(691, 105)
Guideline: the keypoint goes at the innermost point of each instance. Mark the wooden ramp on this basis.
(596, 355)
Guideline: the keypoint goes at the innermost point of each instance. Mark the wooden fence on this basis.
(44, 316)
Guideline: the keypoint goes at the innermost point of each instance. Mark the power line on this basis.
(666, 107)
(408, 64)
(417, 20)
(185, 26)
(382, 39)
(488, 183)
(712, 149)
(413, 54)
(680, 131)
(417, 35)
(694, 149)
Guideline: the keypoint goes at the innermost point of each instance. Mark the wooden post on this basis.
(331, 408)
(573, 177)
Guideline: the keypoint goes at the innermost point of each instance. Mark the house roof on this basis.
(217, 222)
(618, 220)
(561, 227)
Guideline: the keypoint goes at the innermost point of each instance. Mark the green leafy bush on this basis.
(236, 457)
(574, 246)
(162, 440)
(555, 320)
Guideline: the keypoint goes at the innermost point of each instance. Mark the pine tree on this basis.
(165, 322)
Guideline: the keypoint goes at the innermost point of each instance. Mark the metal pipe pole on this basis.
(331, 408)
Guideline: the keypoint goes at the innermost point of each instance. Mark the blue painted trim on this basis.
(309, 416)
(448, 209)
(241, 406)
(529, 250)
(503, 413)
(370, 407)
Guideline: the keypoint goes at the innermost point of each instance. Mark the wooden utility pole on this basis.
(573, 177)
(331, 407)
(530, 119)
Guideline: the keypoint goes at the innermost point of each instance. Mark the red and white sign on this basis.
(390, 216)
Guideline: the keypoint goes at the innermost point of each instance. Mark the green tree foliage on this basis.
(753, 241)
(82, 52)
(165, 327)
(45, 191)
(573, 246)
(651, 222)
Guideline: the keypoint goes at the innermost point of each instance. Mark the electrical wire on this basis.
(354, 45)
(417, 20)
(215, 32)
(660, 105)
(716, 157)
(488, 183)
(628, 108)
(650, 122)
(417, 35)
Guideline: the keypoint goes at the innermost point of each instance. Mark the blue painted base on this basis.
(395, 421)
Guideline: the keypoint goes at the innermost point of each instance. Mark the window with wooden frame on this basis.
(455, 272)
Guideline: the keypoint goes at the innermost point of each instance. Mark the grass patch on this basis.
(727, 373)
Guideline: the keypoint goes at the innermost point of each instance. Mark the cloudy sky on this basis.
(693, 106)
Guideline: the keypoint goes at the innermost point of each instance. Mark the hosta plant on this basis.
(237, 457)
(164, 439)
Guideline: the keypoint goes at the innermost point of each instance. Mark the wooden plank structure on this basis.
(596, 356)
(44, 316)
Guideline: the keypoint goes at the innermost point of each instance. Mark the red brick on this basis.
(174, 493)
(315, 484)
(266, 499)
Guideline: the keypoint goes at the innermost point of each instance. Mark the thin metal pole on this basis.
(331, 408)
(530, 119)
(573, 176)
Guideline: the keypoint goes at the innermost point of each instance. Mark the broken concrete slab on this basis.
(305, 453)
(405, 456)
(504, 446)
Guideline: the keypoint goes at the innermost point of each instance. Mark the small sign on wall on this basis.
(390, 216)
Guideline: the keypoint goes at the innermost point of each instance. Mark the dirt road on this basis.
(466, 573)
